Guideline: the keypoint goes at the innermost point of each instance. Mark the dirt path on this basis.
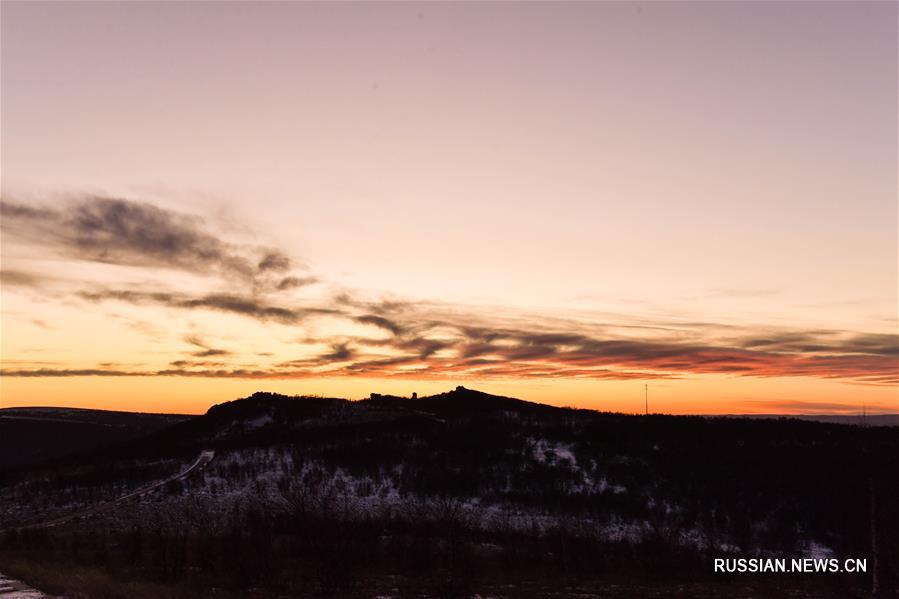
(201, 462)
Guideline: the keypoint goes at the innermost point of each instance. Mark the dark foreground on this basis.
(456, 495)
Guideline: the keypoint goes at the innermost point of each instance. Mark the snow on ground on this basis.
(551, 452)
(13, 589)
(561, 455)
(816, 550)
(274, 478)
(281, 480)
(259, 421)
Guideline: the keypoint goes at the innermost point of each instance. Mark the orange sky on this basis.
(559, 202)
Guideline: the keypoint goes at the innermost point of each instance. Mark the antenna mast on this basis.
(646, 399)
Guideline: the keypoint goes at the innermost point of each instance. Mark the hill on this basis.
(30, 435)
(461, 493)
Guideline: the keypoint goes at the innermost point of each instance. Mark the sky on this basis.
(570, 203)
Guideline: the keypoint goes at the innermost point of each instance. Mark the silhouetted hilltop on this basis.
(280, 408)
(272, 410)
(265, 417)
(37, 434)
(469, 402)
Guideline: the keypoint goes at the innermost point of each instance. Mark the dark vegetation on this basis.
(31, 435)
(458, 494)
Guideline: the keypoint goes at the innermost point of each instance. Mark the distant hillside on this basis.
(458, 494)
(34, 434)
(30, 435)
(855, 419)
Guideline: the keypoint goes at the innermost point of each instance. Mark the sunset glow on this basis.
(558, 202)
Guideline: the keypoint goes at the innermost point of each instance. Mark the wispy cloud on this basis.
(423, 340)
(203, 349)
(243, 305)
(380, 322)
(132, 233)
(461, 351)
(19, 278)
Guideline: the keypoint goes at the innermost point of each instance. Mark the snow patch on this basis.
(816, 550)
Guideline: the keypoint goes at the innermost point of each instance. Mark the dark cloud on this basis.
(19, 278)
(211, 352)
(294, 282)
(131, 296)
(426, 340)
(383, 307)
(11, 210)
(204, 351)
(482, 334)
(275, 260)
(425, 348)
(246, 306)
(208, 373)
(480, 350)
(132, 233)
(62, 372)
(339, 352)
(381, 365)
(421, 346)
(471, 350)
(427, 345)
(380, 322)
(824, 341)
(235, 304)
(519, 354)
(195, 364)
